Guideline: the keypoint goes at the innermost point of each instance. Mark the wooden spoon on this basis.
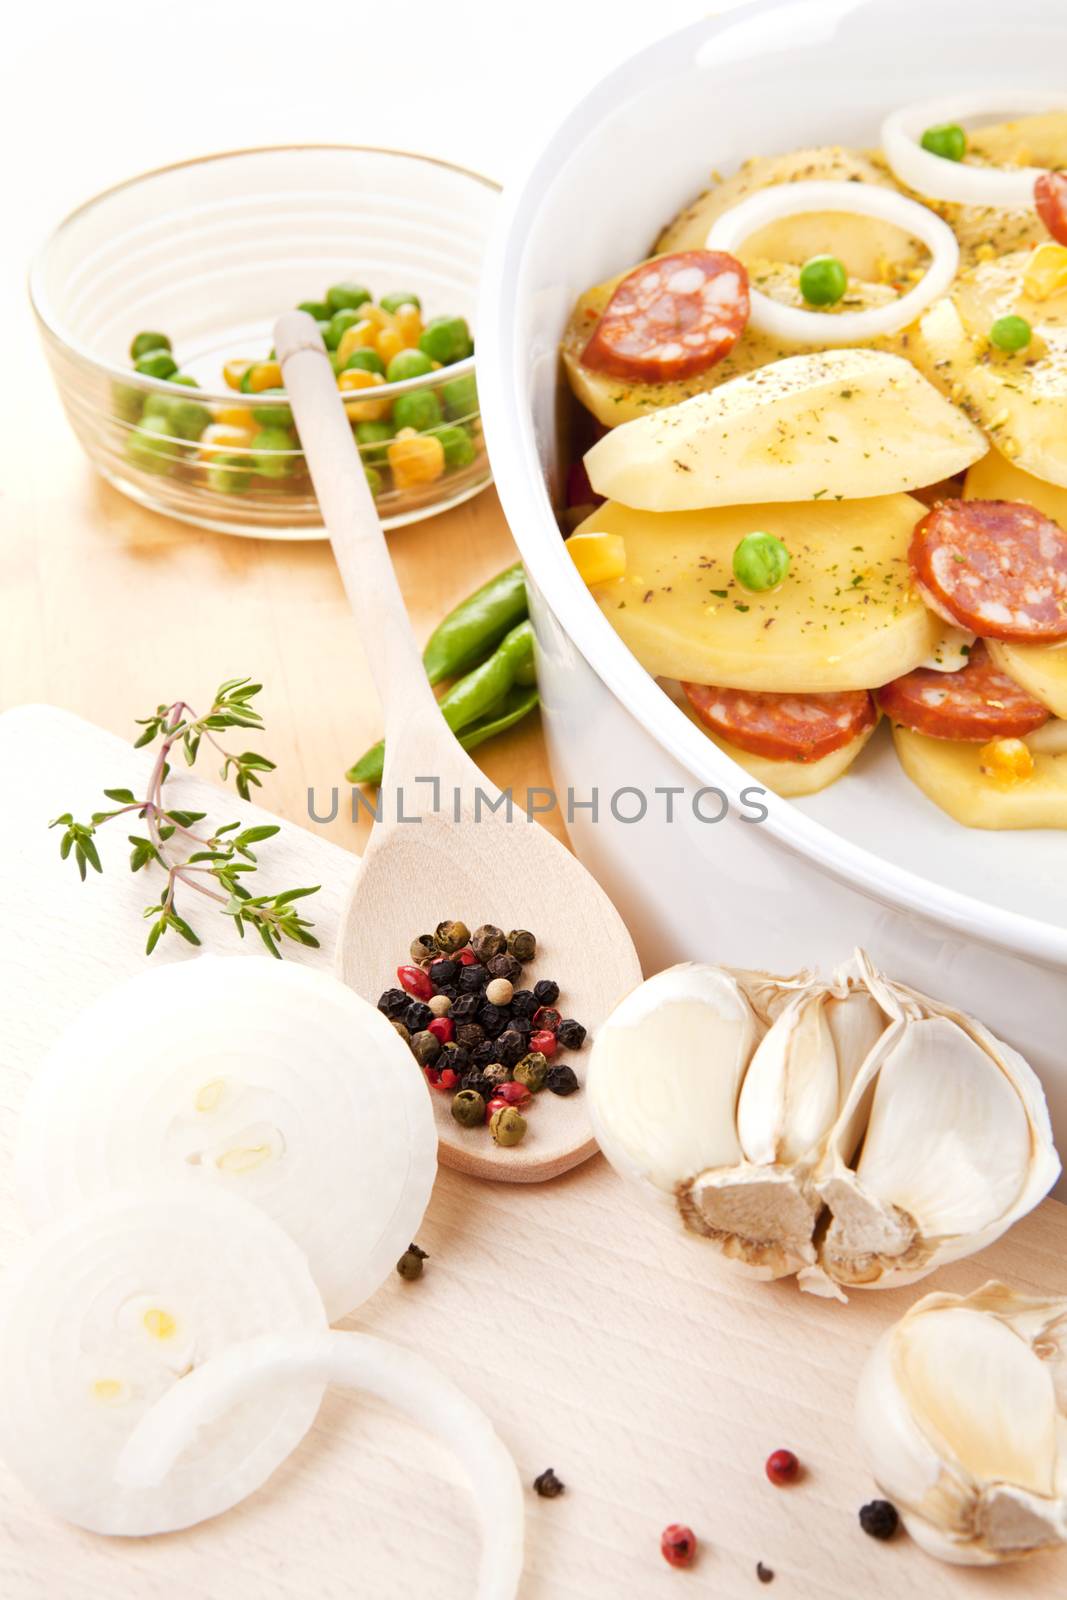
(439, 851)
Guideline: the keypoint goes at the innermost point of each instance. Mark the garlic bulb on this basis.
(962, 1413)
(849, 1131)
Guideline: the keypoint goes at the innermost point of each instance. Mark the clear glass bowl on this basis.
(210, 252)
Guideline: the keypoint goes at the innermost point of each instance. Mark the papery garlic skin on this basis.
(963, 1428)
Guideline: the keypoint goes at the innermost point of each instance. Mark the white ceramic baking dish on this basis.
(976, 918)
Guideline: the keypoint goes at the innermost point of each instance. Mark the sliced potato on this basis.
(1041, 669)
(950, 775)
(844, 617)
(997, 478)
(791, 779)
(830, 424)
(869, 249)
(1019, 400)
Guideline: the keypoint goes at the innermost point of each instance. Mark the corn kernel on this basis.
(376, 315)
(234, 371)
(360, 336)
(160, 1324)
(408, 323)
(599, 557)
(1006, 762)
(362, 410)
(218, 436)
(1046, 271)
(389, 344)
(237, 417)
(265, 375)
(415, 458)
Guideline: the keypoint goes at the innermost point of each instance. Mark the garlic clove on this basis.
(959, 1419)
(665, 1072)
(763, 1218)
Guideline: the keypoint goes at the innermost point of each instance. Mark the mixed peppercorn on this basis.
(476, 1035)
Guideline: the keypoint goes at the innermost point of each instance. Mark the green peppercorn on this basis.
(507, 1126)
(401, 1030)
(423, 948)
(945, 139)
(522, 945)
(451, 936)
(425, 1047)
(532, 1070)
(487, 942)
(410, 1264)
(468, 1108)
(1011, 334)
(760, 562)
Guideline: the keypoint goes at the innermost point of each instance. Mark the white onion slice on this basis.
(103, 1313)
(792, 323)
(205, 1400)
(951, 652)
(270, 1080)
(1009, 189)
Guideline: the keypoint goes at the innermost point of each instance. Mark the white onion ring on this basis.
(103, 1312)
(940, 179)
(730, 231)
(399, 1377)
(273, 1081)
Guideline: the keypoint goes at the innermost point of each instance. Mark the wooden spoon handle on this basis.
(351, 520)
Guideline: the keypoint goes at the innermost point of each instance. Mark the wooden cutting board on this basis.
(601, 1340)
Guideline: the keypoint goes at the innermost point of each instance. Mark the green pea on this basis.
(1011, 333)
(273, 453)
(393, 302)
(446, 339)
(127, 402)
(760, 561)
(188, 418)
(945, 139)
(230, 474)
(366, 361)
(335, 329)
(409, 364)
(142, 343)
(460, 396)
(150, 449)
(372, 438)
(346, 296)
(458, 447)
(272, 416)
(317, 309)
(374, 479)
(157, 364)
(823, 281)
(420, 409)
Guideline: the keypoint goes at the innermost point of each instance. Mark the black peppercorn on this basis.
(456, 1056)
(570, 1034)
(483, 1053)
(510, 1047)
(442, 972)
(524, 1003)
(561, 1080)
(410, 1264)
(417, 1016)
(493, 1024)
(469, 1034)
(479, 1083)
(547, 1485)
(546, 993)
(487, 942)
(449, 990)
(504, 966)
(879, 1518)
(764, 1574)
(472, 980)
(491, 1014)
(521, 1025)
(522, 945)
(465, 1008)
(394, 1002)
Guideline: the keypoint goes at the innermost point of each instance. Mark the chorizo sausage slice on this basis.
(783, 727)
(974, 704)
(1050, 198)
(995, 567)
(671, 318)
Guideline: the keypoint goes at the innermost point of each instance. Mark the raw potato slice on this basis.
(950, 775)
(1019, 400)
(868, 248)
(845, 616)
(997, 478)
(1041, 669)
(834, 424)
(103, 1314)
(793, 779)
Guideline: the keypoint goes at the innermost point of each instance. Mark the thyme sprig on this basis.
(211, 864)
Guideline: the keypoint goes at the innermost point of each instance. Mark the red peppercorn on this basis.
(415, 981)
(543, 1041)
(497, 1103)
(782, 1467)
(449, 1079)
(547, 1017)
(433, 1077)
(513, 1094)
(466, 957)
(678, 1545)
(442, 1028)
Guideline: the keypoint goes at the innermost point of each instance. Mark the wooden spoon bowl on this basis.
(442, 850)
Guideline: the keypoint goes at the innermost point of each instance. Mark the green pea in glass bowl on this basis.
(156, 301)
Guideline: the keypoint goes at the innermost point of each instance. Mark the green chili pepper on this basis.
(476, 625)
(476, 703)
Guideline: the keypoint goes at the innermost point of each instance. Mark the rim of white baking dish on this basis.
(517, 471)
